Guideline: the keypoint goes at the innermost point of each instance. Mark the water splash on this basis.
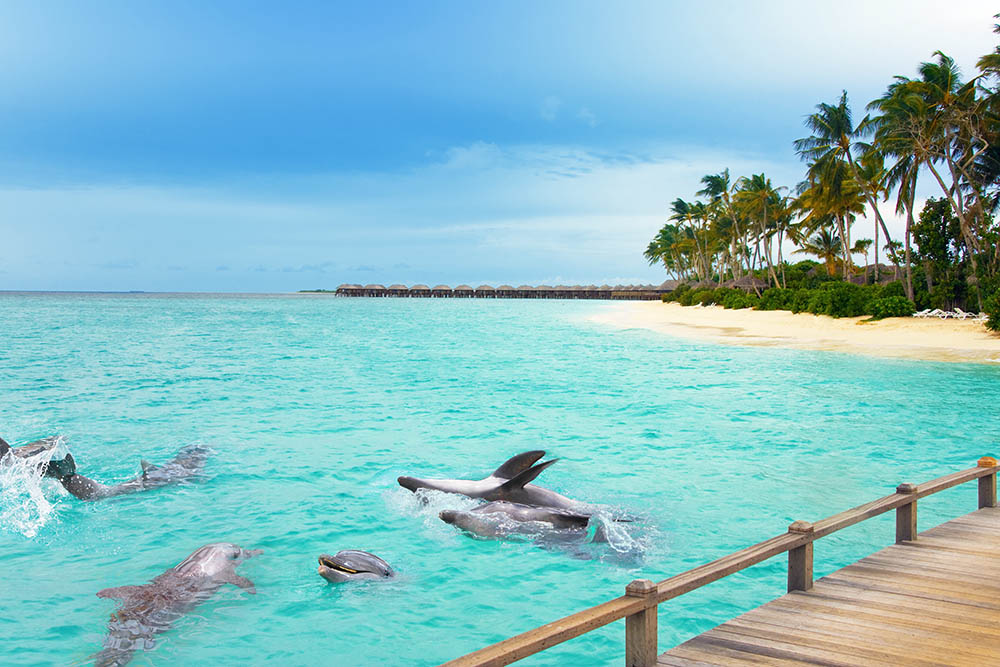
(24, 508)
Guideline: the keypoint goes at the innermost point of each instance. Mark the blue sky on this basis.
(196, 146)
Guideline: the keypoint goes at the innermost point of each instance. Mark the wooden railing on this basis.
(639, 604)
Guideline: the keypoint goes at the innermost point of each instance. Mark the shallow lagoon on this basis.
(314, 405)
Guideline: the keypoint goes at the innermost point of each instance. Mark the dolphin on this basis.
(150, 609)
(188, 462)
(500, 519)
(353, 565)
(51, 468)
(508, 482)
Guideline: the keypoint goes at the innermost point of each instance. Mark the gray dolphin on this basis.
(188, 462)
(353, 565)
(500, 519)
(508, 482)
(150, 609)
(51, 468)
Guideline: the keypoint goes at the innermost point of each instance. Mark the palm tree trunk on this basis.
(907, 259)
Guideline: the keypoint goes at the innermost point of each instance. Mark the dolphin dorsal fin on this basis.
(523, 478)
(515, 465)
(119, 593)
(146, 465)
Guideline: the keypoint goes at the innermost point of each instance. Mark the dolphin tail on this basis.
(515, 465)
(4, 447)
(518, 481)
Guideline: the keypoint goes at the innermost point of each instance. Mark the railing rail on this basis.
(639, 604)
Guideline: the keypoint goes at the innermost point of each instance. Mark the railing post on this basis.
(800, 560)
(987, 484)
(640, 627)
(906, 515)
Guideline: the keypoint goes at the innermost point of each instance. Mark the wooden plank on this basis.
(723, 655)
(539, 639)
(824, 607)
(890, 600)
(878, 635)
(859, 647)
(827, 654)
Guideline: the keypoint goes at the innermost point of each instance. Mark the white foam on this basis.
(24, 508)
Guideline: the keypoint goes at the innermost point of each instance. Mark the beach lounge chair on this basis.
(937, 312)
(922, 313)
(962, 315)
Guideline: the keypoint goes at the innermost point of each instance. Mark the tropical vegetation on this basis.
(934, 130)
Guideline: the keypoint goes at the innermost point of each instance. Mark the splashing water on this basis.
(24, 508)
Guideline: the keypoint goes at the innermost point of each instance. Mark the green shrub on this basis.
(686, 298)
(894, 288)
(738, 299)
(667, 297)
(800, 301)
(705, 296)
(992, 307)
(776, 298)
(891, 306)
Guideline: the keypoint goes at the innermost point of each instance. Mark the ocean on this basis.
(313, 405)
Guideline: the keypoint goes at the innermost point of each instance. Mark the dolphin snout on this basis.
(250, 553)
(410, 483)
(448, 516)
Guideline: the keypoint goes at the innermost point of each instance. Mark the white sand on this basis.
(910, 337)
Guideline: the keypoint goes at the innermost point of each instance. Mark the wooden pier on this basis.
(930, 599)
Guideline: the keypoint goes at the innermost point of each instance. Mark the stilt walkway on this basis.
(930, 599)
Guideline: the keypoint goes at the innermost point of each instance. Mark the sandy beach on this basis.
(911, 338)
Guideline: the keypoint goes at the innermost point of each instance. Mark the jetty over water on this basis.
(932, 598)
(618, 292)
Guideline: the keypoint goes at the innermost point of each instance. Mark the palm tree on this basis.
(832, 140)
(760, 202)
(826, 246)
(861, 247)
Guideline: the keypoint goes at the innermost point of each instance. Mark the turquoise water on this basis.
(314, 405)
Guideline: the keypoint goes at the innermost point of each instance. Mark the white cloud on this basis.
(587, 116)
(549, 108)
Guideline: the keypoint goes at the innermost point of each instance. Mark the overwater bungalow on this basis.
(397, 290)
(420, 290)
(486, 292)
(463, 292)
(506, 292)
(525, 292)
(374, 290)
(441, 291)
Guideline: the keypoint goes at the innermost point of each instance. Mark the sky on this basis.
(231, 146)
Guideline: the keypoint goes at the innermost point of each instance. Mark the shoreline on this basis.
(955, 341)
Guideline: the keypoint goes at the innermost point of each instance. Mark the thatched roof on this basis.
(525, 287)
(419, 287)
(397, 286)
(590, 287)
(748, 282)
(441, 288)
(507, 288)
(373, 286)
(670, 284)
(349, 286)
(463, 288)
(544, 287)
(564, 288)
(606, 288)
(487, 288)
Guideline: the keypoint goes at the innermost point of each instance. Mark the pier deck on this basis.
(931, 601)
